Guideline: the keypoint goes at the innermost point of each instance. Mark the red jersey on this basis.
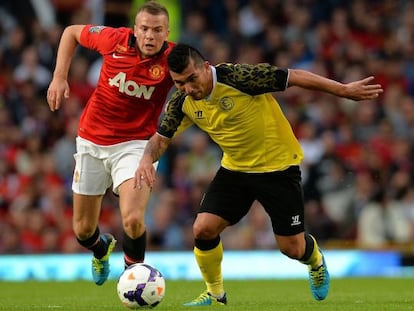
(131, 91)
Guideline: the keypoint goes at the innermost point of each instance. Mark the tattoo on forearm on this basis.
(155, 150)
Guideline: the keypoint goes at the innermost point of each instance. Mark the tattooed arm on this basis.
(357, 90)
(154, 149)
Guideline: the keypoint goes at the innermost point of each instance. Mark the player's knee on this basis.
(291, 253)
(83, 230)
(292, 250)
(204, 232)
(208, 226)
(134, 226)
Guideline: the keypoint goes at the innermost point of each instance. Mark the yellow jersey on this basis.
(242, 117)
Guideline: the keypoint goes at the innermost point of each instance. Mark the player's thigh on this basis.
(133, 201)
(123, 163)
(90, 182)
(228, 196)
(281, 195)
(90, 176)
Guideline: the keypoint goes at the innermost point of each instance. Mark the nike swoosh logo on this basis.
(117, 56)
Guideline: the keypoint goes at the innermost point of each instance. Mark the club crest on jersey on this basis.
(120, 48)
(156, 71)
(226, 104)
(96, 29)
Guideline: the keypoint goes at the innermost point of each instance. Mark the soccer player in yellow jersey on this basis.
(261, 156)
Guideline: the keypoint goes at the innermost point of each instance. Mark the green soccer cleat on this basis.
(205, 299)
(100, 267)
(319, 281)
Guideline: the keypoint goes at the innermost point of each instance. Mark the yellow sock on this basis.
(315, 259)
(209, 263)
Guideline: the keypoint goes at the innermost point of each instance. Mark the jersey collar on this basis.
(214, 76)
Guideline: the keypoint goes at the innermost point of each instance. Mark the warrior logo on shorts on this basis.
(295, 220)
(226, 104)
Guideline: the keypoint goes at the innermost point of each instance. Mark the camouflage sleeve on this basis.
(253, 79)
(173, 115)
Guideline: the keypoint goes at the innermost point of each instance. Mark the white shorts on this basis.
(98, 167)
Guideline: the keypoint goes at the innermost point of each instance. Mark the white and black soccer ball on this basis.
(141, 286)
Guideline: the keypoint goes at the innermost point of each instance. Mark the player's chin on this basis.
(196, 95)
(149, 51)
(146, 55)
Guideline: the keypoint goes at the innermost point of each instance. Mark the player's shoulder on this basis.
(252, 79)
(122, 39)
(231, 73)
(122, 33)
(238, 70)
(116, 35)
(224, 69)
(239, 67)
(169, 45)
(98, 29)
(178, 97)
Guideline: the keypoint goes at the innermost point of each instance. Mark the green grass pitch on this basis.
(262, 295)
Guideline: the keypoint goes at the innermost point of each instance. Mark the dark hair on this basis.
(154, 8)
(180, 55)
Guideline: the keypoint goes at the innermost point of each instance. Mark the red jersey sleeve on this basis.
(102, 39)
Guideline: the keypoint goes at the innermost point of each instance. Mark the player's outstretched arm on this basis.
(357, 90)
(59, 87)
(153, 151)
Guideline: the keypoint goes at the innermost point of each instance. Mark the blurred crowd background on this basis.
(358, 172)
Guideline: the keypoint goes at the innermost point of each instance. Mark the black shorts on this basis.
(231, 194)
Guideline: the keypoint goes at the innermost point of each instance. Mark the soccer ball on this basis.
(141, 286)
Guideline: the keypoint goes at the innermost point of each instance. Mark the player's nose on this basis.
(149, 34)
(188, 89)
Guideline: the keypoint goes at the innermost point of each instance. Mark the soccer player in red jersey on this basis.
(115, 125)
